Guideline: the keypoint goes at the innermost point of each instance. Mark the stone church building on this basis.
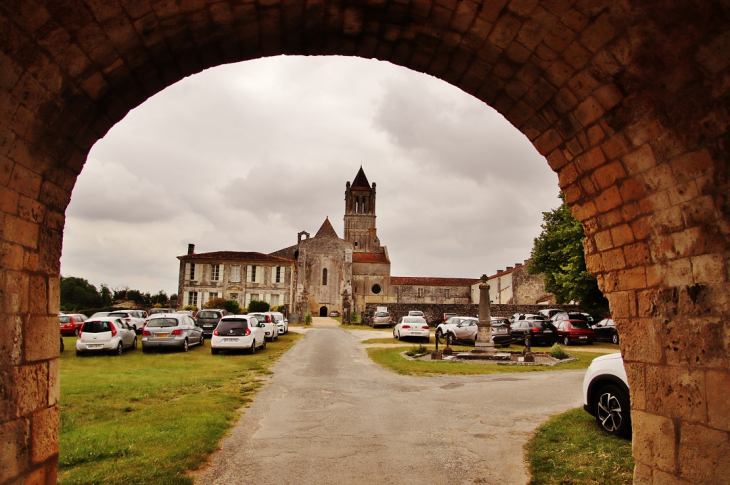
(320, 273)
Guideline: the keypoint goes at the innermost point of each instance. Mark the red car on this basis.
(71, 324)
(575, 331)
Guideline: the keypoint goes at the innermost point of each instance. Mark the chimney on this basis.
(508, 268)
(191, 248)
(517, 265)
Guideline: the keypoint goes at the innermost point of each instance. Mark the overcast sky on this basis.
(244, 156)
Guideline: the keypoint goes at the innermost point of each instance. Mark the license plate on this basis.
(94, 346)
(230, 340)
(548, 331)
(501, 330)
(160, 335)
(208, 326)
(583, 338)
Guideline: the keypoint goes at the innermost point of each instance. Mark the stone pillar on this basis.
(484, 343)
(303, 305)
(345, 307)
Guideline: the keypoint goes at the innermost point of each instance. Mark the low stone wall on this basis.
(435, 312)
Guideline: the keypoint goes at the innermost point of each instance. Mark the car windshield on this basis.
(232, 327)
(541, 324)
(381, 314)
(158, 310)
(100, 314)
(278, 318)
(96, 327)
(118, 314)
(208, 314)
(413, 320)
(582, 325)
(65, 319)
(577, 316)
(260, 318)
(162, 322)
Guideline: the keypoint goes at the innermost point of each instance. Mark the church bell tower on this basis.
(360, 214)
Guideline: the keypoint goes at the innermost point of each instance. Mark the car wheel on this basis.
(185, 346)
(134, 343)
(78, 354)
(263, 346)
(566, 341)
(614, 338)
(145, 350)
(394, 335)
(76, 332)
(120, 349)
(202, 340)
(450, 339)
(213, 351)
(253, 347)
(613, 413)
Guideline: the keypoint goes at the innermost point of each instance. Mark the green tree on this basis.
(232, 306)
(106, 296)
(78, 294)
(258, 306)
(215, 303)
(558, 256)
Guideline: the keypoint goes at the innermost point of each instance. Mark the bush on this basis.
(258, 306)
(191, 308)
(414, 351)
(278, 308)
(231, 306)
(215, 303)
(354, 318)
(557, 352)
(308, 318)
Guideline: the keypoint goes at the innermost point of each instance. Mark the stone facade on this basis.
(514, 285)
(235, 275)
(627, 101)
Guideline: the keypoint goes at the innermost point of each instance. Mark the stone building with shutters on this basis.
(236, 275)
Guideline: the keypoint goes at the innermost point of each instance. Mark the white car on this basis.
(606, 394)
(416, 313)
(105, 334)
(134, 318)
(281, 322)
(238, 332)
(272, 331)
(416, 327)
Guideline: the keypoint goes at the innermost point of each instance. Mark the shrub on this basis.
(308, 318)
(354, 318)
(557, 352)
(414, 351)
(278, 308)
(231, 306)
(258, 306)
(191, 308)
(215, 303)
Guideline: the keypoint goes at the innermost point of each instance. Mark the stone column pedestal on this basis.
(484, 343)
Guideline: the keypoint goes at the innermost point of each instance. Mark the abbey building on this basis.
(320, 273)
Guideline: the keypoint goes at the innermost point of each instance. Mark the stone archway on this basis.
(627, 102)
(323, 311)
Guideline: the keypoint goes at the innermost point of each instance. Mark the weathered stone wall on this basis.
(527, 288)
(626, 100)
(435, 312)
(315, 255)
(458, 295)
(364, 277)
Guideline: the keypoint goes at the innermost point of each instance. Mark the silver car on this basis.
(382, 319)
(105, 334)
(176, 330)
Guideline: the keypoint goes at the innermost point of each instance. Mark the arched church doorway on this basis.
(628, 106)
(323, 311)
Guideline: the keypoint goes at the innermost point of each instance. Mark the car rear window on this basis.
(208, 314)
(577, 316)
(162, 322)
(65, 319)
(541, 324)
(232, 327)
(96, 327)
(583, 325)
(118, 314)
(413, 320)
(382, 314)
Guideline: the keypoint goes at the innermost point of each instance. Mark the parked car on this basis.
(416, 327)
(416, 313)
(467, 330)
(271, 329)
(71, 323)
(176, 330)
(445, 328)
(526, 316)
(541, 331)
(606, 394)
(281, 322)
(549, 312)
(381, 319)
(100, 314)
(447, 316)
(238, 332)
(605, 330)
(208, 319)
(105, 334)
(334, 313)
(575, 331)
(133, 317)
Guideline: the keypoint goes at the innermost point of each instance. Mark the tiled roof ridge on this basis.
(327, 230)
(235, 255)
(431, 281)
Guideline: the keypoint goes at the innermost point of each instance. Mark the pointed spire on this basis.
(361, 180)
(327, 230)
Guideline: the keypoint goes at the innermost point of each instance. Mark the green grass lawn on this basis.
(150, 418)
(571, 449)
(392, 359)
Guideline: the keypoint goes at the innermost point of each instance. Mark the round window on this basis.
(376, 289)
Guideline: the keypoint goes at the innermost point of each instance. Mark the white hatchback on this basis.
(105, 334)
(238, 332)
(415, 327)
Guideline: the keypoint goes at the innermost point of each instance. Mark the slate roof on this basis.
(234, 256)
(418, 281)
(361, 181)
(370, 258)
(327, 230)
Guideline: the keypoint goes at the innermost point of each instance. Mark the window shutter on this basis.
(187, 271)
(248, 277)
(259, 274)
(273, 274)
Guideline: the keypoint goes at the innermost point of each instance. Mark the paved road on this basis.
(332, 416)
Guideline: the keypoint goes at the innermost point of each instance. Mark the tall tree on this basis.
(558, 255)
(78, 293)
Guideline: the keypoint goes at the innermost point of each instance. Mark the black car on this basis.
(605, 330)
(542, 332)
(208, 320)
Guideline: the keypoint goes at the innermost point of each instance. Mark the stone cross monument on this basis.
(484, 343)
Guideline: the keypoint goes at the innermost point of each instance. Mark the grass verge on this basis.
(150, 418)
(571, 449)
(392, 359)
